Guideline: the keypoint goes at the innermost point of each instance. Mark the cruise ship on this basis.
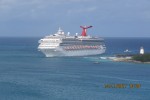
(61, 44)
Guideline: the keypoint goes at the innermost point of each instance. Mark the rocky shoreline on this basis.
(126, 58)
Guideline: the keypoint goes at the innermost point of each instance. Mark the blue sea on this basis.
(26, 74)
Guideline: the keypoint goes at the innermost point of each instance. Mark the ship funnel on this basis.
(84, 30)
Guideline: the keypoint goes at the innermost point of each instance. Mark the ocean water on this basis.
(25, 74)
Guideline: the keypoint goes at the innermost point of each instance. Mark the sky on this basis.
(109, 18)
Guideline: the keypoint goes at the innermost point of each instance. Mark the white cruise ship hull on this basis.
(60, 52)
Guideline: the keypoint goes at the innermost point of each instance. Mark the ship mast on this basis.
(84, 30)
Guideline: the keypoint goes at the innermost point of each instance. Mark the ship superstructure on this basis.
(61, 44)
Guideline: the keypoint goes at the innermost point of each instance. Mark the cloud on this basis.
(102, 9)
(5, 5)
(34, 9)
(82, 10)
(74, 12)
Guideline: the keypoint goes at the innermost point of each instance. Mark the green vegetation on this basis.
(142, 58)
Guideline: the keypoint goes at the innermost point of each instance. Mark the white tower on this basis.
(141, 50)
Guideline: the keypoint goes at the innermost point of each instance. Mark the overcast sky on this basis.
(109, 18)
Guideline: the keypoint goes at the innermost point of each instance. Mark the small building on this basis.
(141, 50)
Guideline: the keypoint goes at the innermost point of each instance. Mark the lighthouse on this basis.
(141, 50)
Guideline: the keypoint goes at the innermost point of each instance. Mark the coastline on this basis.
(126, 59)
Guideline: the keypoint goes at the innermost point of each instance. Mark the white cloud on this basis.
(82, 10)
(10, 9)
(72, 12)
(103, 9)
(5, 4)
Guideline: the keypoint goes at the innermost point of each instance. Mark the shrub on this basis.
(142, 58)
